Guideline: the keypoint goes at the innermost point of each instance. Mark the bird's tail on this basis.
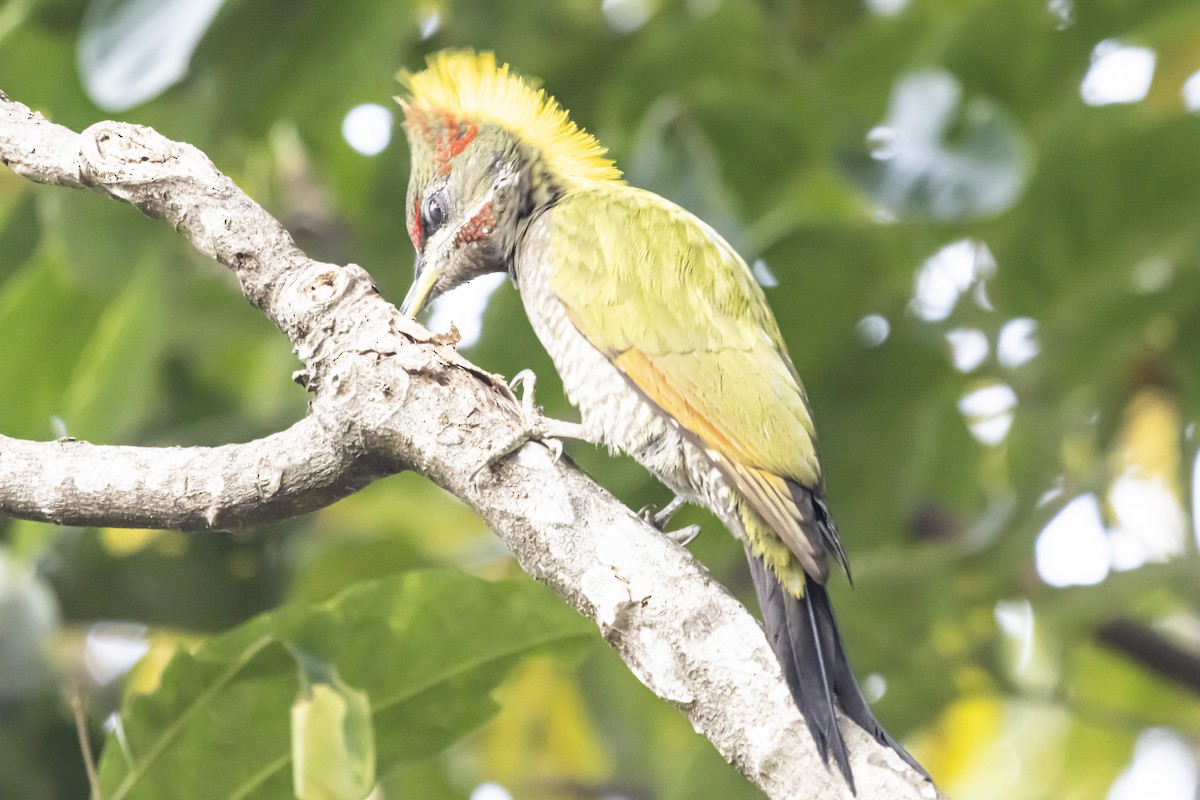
(806, 641)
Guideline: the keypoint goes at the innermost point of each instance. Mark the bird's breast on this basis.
(611, 409)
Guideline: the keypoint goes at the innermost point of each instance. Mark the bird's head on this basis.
(488, 152)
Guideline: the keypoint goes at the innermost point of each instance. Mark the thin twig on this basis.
(79, 711)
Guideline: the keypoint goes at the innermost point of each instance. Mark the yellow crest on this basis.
(472, 86)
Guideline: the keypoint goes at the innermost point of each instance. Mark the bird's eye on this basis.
(433, 213)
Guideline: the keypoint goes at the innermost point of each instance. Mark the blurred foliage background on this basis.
(977, 222)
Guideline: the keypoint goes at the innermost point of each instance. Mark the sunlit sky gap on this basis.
(490, 791)
(1119, 73)
(368, 128)
(464, 307)
(1163, 768)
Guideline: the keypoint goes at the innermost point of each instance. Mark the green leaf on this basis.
(424, 649)
(84, 356)
(333, 743)
(112, 382)
(44, 319)
(131, 50)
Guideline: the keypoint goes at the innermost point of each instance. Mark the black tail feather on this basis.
(805, 638)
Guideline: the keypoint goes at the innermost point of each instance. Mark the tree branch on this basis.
(179, 488)
(1142, 644)
(390, 396)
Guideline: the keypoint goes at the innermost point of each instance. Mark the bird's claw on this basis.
(525, 380)
(555, 446)
(684, 536)
(658, 518)
(535, 426)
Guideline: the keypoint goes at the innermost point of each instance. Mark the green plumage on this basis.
(638, 274)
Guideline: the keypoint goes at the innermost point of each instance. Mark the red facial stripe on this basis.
(454, 140)
(478, 227)
(415, 232)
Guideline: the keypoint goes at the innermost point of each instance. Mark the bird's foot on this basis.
(683, 536)
(660, 517)
(534, 426)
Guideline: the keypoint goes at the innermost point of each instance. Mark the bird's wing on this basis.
(681, 316)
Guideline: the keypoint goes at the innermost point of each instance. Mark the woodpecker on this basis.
(662, 337)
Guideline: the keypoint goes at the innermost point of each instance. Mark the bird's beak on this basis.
(423, 281)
